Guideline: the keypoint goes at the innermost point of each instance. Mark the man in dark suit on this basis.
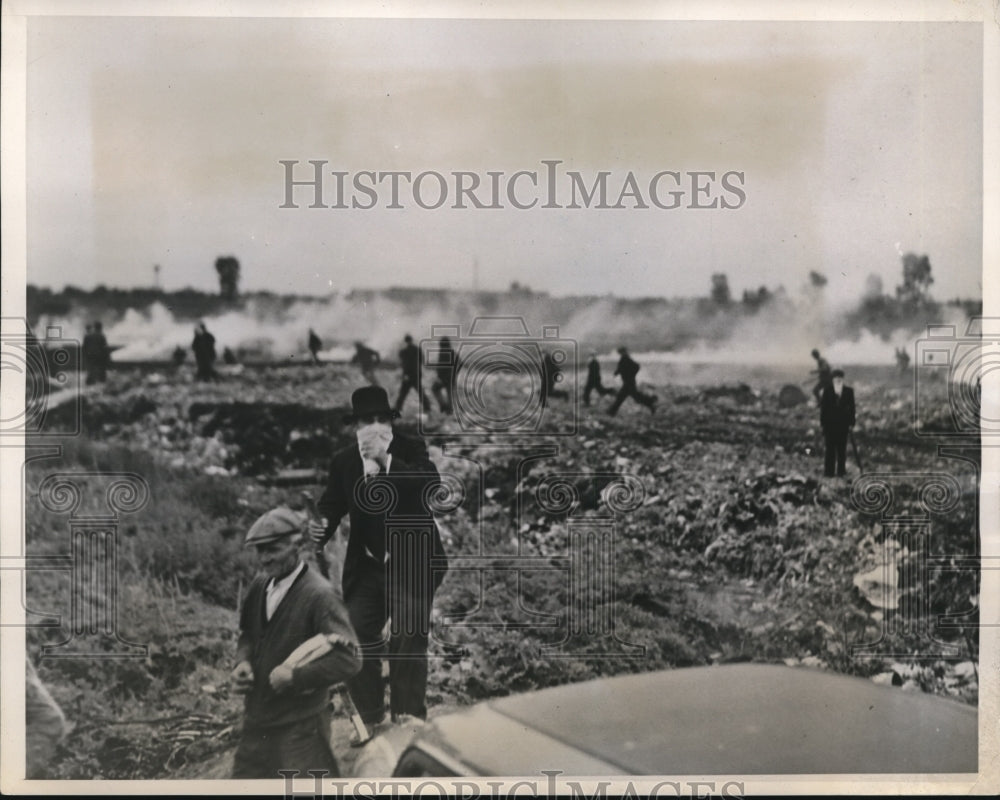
(836, 416)
(446, 368)
(203, 346)
(395, 559)
(315, 345)
(409, 360)
(96, 354)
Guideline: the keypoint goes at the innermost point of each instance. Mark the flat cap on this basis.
(837, 373)
(276, 524)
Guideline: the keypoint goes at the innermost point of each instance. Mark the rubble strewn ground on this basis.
(736, 549)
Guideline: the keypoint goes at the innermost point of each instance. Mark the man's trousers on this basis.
(302, 745)
(412, 382)
(375, 599)
(836, 453)
(629, 390)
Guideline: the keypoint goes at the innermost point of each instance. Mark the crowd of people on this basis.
(836, 401)
(446, 366)
(299, 635)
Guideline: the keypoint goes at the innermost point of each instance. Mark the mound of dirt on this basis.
(791, 396)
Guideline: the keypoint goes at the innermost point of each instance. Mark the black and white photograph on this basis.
(500, 399)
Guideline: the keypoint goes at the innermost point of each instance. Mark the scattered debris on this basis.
(741, 393)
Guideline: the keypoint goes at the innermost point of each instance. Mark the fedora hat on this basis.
(368, 401)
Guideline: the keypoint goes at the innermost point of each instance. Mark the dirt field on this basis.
(728, 544)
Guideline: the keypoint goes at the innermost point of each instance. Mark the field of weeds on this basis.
(710, 520)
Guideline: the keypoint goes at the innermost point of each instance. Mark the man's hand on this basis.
(373, 443)
(242, 677)
(372, 449)
(317, 531)
(281, 678)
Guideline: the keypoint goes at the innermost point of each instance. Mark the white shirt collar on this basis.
(276, 590)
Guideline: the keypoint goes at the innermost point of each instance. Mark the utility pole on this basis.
(156, 276)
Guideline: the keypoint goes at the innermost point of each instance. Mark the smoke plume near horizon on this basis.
(782, 331)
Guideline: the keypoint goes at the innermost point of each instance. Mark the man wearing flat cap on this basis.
(394, 560)
(836, 416)
(296, 641)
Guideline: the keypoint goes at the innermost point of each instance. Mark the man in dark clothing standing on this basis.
(409, 360)
(95, 354)
(367, 359)
(902, 359)
(836, 416)
(594, 380)
(446, 367)
(203, 346)
(823, 377)
(102, 352)
(90, 358)
(627, 369)
(295, 643)
(314, 346)
(394, 560)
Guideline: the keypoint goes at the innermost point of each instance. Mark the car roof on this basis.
(732, 719)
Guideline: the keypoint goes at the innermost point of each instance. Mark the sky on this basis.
(158, 141)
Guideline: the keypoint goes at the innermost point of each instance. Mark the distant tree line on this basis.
(101, 301)
(911, 306)
(650, 322)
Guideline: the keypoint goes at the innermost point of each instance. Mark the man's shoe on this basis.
(408, 720)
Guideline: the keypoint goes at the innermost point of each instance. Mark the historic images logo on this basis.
(500, 379)
(51, 374)
(959, 364)
(545, 188)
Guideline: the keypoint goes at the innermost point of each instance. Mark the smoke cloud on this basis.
(781, 331)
